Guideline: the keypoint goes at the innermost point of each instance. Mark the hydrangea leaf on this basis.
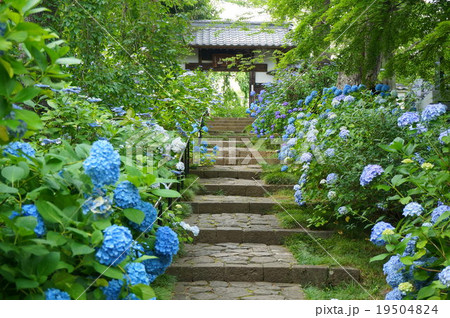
(144, 292)
(80, 249)
(379, 257)
(13, 173)
(134, 215)
(166, 193)
(6, 189)
(108, 271)
(22, 283)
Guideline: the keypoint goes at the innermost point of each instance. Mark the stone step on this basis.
(243, 152)
(228, 136)
(251, 262)
(220, 290)
(244, 228)
(237, 172)
(248, 160)
(227, 126)
(242, 187)
(230, 204)
(230, 119)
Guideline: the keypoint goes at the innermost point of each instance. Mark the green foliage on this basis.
(233, 103)
(368, 36)
(347, 251)
(280, 178)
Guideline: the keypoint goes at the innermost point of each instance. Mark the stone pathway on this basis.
(238, 253)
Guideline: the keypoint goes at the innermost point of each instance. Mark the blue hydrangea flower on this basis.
(410, 249)
(344, 133)
(442, 135)
(103, 164)
(308, 99)
(290, 129)
(298, 196)
(369, 173)
(412, 209)
(56, 294)
(306, 157)
(157, 266)
(408, 119)
(418, 158)
(444, 276)
(395, 271)
(394, 294)
(378, 87)
(166, 241)
(284, 168)
(342, 210)
(117, 240)
(112, 291)
(437, 212)
(328, 132)
(136, 274)
(31, 210)
(19, 149)
(330, 152)
(377, 231)
(349, 99)
(126, 195)
(332, 178)
(132, 296)
(150, 216)
(433, 111)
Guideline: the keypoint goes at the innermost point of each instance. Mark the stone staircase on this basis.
(238, 253)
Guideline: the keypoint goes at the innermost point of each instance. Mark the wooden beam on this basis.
(224, 68)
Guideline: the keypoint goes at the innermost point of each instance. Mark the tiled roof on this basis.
(209, 33)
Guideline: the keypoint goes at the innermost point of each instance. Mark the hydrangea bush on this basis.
(69, 228)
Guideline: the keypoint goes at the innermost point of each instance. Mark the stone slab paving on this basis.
(244, 228)
(252, 263)
(243, 187)
(220, 290)
(246, 160)
(211, 204)
(224, 171)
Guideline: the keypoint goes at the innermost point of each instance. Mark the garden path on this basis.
(238, 253)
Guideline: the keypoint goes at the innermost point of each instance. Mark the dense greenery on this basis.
(89, 180)
(374, 40)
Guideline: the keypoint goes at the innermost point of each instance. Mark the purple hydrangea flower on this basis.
(369, 173)
(437, 212)
(408, 119)
(306, 157)
(433, 111)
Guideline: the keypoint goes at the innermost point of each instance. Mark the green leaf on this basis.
(426, 292)
(398, 180)
(77, 291)
(28, 93)
(7, 67)
(48, 264)
(144, 292)
(97, 237)
(18, 36)
(26, 224)
(144, 258)
(80, 249)
(37, 250)
(33, 121)
(13, 173)
(111, 272)
(134, 215)
(6, 189)
(49, 211)
(166, 193)
(22, 283)
(405, 200)
(56, 239)
(80, 232)
(5, 45)
(30, 5)
(379, 257)
(68, 61)
(101, 224)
